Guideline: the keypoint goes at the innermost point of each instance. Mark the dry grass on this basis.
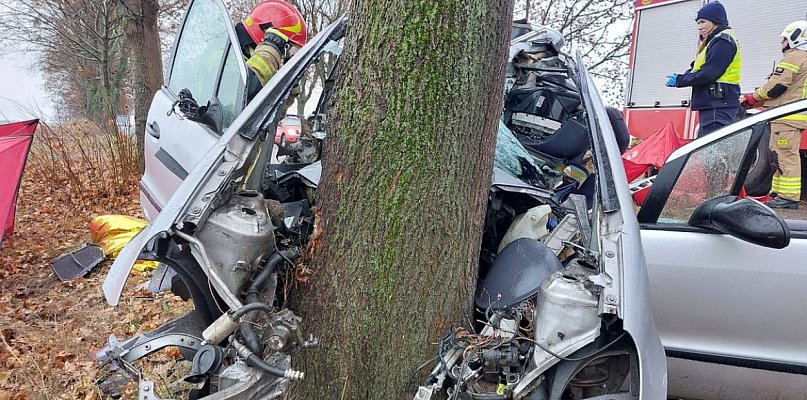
(49, 329)
(84, 163)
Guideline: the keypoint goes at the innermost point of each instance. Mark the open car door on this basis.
(207, 64)
(726, 274)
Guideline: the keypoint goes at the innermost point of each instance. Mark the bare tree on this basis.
(171, 12)
(81, 46)
(140, 18)
(599, 29)
(317, 15)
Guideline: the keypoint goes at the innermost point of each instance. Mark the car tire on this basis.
(758, 180)
(283, 139)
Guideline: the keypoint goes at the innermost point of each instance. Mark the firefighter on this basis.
(715, 74)
(272, 32)
(787, 83)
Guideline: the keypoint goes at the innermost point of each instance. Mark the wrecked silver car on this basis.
(562, 284)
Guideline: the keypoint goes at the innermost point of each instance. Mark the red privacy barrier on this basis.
(653, 151)
(15, 142)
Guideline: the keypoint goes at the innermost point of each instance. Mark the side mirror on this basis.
(744, 219)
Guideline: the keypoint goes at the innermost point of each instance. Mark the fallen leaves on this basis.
(173, 353)
(4, 395)
(62, 358)
(49, 330)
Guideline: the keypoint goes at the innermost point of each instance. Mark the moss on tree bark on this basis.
(406, 173)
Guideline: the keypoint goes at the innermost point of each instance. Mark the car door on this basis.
(207, 61)
(715, 298)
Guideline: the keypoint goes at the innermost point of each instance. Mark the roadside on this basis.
(49, 330)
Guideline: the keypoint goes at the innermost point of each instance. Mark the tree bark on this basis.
(143, 42)
(406, 175)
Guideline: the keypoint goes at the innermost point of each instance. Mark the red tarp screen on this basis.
(15, 141)
(652, 151)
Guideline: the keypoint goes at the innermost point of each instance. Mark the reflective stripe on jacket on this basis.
(732, 73)
(717, 63)
(265, 61)
(788, 83)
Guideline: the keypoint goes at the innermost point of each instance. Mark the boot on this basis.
(780, 202)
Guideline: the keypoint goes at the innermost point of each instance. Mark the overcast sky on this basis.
(21, 94)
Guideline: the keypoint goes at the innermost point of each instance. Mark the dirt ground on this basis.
(49, 330)
(799, 214)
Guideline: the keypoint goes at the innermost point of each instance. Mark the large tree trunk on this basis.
(406, 174)
(143, 43)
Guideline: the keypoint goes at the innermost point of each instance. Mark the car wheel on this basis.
(758, 180)
(283, 139)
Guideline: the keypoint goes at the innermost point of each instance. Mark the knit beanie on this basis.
(714, 12)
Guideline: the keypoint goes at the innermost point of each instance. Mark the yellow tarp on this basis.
(113, 232)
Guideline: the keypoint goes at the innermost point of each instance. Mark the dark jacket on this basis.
(719, 55)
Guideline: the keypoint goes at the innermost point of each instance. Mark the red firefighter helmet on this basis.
(279, 15)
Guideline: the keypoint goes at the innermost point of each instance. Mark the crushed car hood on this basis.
(222, 163)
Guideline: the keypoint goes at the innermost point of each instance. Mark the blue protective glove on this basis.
(672, 79)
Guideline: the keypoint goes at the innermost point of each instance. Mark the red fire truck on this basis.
(665, 40)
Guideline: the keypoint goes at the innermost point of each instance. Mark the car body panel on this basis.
(621, 250)
(168, 158)
(724, 306)
(739, 291)
(693, 379)
(174, 143)
(222, 165)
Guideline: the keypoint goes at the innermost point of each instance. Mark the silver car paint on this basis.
(722, 296)
(186, 144)
(699, 380)
(188, 140)
(625, 283)
(623, 258)
(222, 164)
(717, 295)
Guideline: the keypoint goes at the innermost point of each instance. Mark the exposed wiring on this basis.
(595, 352)
(420, 367)
(213, 295)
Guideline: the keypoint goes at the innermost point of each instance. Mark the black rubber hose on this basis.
(269, 268)
(257, 362)
(251, 307)
(251, 339)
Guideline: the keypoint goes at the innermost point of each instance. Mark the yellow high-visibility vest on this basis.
(732, 74)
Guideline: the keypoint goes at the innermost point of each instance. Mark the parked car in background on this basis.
(288, 130)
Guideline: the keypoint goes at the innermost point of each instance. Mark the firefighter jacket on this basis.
(715, 73)
(264, 62)
(788, 83)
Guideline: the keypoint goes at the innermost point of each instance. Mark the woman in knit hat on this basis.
(715, 74)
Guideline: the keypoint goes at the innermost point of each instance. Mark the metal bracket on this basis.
(146, 391)
(581, 212)
(183, 332)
